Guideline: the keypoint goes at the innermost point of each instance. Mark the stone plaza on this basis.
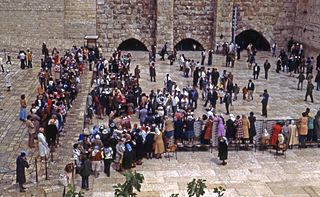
(248, 173)
(126, 24)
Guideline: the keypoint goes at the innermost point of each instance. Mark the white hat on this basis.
(34, 110)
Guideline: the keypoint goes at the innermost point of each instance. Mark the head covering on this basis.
(23, 154)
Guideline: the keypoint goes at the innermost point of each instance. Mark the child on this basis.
(221, 94)
(244, 93)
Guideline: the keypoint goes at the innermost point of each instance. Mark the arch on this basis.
(132, 44)
(187, 44)
(252, 36)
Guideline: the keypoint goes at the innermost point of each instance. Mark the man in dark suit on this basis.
(152, 72)
(264, 101)
(267, 67)
(256, 71)
(250, 89)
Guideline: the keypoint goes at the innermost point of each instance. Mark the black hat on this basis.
(23, 154)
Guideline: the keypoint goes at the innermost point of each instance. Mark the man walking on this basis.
(264, 101)
(310, 88)
(266, 66)
(256, 71)
(250, 89)
(20, 170)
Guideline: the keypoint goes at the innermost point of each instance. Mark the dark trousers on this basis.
(85, 182)
(308, 94)
(29, 64)
(310, 135)
(2, 68)
(107, 164)
(266, 74)
(300, 83)
(255, 75)
(227, 108)
(302, 140)
(153, 78)
(194, 103)
(264, 109)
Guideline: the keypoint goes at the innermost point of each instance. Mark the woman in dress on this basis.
(189, 133)
(245, 126)
(43, 145)
(159, 145)
(239, 128)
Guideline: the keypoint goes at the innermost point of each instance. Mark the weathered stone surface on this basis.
(63, 23)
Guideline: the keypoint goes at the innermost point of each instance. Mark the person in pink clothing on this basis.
(221, 131)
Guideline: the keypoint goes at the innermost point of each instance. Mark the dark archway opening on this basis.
(132, 45)
(189, 44)
(251, 36)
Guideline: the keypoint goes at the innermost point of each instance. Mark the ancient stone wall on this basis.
(273, 19)
(79, 18)
(119, 20)
(307, 24)
(194, 19)
(61, 23)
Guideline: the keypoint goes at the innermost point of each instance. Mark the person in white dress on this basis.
(43, 145)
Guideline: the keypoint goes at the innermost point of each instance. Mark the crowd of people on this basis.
(59, 79)
(166, 117)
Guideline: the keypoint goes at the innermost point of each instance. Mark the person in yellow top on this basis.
(29, 58)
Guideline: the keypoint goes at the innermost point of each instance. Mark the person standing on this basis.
(29, 58)
(23, 108)
(301, 78)
(21, 163)
(273, 49)
(256, 71)
(203, 57)
(210, 57)
(22, 57)
(223, 150)
(317, 80)
(85, 171)
(7, 80)
(266, 66)
(310, 88)
(264, 101)
(152, 72)
(252, 129)
(107, 159)
(31, 131)
(250, 90)
(43, 145)
(303, 129)
(227, 101)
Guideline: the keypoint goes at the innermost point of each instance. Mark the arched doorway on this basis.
(189, 44)
(251, 36)
(132, 45)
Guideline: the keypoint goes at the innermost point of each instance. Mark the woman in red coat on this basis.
(208, 130)
(276, 130)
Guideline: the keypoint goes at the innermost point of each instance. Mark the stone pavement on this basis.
(247, 173)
